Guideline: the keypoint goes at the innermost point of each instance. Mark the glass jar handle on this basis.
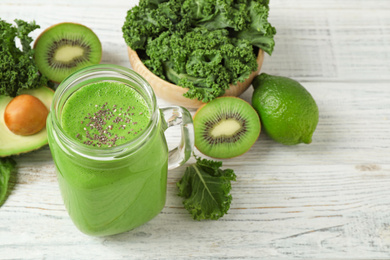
(174, 116)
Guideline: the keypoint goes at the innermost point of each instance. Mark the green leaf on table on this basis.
(206, 189)
(7, 165)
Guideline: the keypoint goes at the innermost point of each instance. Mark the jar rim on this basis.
(114, 73)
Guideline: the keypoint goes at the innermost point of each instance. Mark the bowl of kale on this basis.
(194, 51)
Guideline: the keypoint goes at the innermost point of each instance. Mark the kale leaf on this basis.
(149, 19)
(17, 66)
(206, 189)
(7, 165)
(259, 31)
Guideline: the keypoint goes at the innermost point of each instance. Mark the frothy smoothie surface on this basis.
(105, 114)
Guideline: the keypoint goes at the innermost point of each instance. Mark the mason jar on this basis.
(109, 190)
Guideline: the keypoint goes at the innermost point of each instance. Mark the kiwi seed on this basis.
(226, 127)
(65, 48)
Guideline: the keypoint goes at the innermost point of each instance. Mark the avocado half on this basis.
(12, 144)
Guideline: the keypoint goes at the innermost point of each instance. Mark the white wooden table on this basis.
(329, 199)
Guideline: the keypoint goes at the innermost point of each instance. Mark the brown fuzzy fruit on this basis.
(25, 115)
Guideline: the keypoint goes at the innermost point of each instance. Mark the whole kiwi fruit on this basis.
(226, 127)
(65, 48)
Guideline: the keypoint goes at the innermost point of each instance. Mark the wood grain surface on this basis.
(326, 200)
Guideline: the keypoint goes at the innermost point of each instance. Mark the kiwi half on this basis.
(65, 48)
(226, 127)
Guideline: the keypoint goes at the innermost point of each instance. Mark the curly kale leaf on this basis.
(150, 19)
(247, 19)
(7, 166)
(226, 15)
(203, 61)
(17, 66)
(259, 31)
(206, 189)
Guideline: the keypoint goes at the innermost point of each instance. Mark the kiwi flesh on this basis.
(226, 127)
(65, 48)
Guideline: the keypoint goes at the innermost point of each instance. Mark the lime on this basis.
(288, 112)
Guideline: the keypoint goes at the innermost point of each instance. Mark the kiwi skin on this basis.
(56, 80)
(234, 145)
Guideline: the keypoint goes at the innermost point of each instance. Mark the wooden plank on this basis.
(330, 45)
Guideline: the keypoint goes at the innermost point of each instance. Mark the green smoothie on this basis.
(112, 194)
(105, 114)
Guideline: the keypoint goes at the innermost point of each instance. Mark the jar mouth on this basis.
(101, 73)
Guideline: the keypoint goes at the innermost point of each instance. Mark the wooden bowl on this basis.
(174, 94)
